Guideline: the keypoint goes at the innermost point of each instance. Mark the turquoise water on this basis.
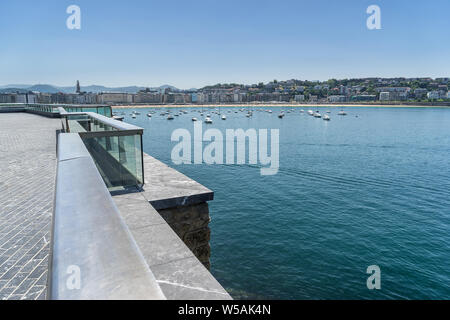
(352, 192)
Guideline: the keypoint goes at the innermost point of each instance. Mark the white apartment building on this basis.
(433, 95)
(384, 96)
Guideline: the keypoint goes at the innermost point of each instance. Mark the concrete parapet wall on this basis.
(169, 219)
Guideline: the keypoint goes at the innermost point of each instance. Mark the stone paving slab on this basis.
(27, 182)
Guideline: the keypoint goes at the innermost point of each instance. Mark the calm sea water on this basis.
(352, 192)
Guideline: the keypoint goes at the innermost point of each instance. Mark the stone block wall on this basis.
(190, 223)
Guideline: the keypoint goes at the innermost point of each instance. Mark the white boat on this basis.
(302, 110)
(224, 117)
(342, 113)
(208, 120)
(310, 112)
(118, 118)
(194, 119)
(326, 117)
(149, 115)
(133, 116)
(170, 117)
(317, 114)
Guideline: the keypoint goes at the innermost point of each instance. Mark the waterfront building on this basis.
(147, 97)
(299, 97)
(433, 95)
(114, 97)
(384, 96)
(313, 98)
(8, 98)
(420, 93)
(364, 97)
(44, 98)
(337, 98)
(26, 98)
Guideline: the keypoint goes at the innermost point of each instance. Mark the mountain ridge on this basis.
(48, 88)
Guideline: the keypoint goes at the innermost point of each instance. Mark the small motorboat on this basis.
(170, 117)
(342, 113)
(281, 115)
(224, 117)
(194, 119)
(118, 118)
(310, 112)
(208, 120)
(149, 115)
(326, 117)
(317, 114)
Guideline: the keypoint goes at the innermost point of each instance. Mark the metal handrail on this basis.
(119, 125)
(94, 255)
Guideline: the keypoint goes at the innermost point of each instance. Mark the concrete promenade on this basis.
(171, 240)
(27, 182)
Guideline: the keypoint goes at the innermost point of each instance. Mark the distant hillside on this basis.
(13, 89)
(46, 88)
(15, 86)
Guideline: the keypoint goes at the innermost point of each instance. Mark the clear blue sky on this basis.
(192, 43)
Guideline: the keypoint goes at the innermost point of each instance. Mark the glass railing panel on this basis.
(108, 112)
(118, 159)
(115, 147)
(131, 155)
(79, 123)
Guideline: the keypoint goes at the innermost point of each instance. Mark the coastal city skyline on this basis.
(365, 90)
(200, 43)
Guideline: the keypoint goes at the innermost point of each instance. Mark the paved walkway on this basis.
(27, 181)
